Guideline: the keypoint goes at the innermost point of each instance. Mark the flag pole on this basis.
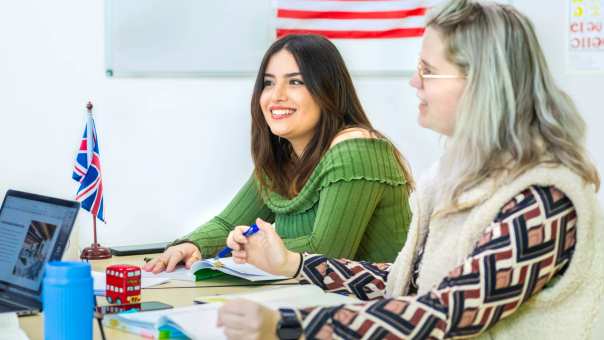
(94, 230)
(95, 251)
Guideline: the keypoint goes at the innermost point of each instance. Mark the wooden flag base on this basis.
(95, 252)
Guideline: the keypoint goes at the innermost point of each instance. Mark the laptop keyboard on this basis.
(9, 307)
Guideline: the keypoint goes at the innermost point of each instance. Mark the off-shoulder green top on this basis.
(354, 205)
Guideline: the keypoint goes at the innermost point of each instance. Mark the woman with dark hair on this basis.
(323, 175)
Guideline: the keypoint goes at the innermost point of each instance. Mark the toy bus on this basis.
(123, 284)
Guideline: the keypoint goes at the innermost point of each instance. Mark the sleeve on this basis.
(367, 281)
(344, 210)
(530, 242)
(245, 207)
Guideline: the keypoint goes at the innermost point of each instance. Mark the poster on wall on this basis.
(586, 36)
(375, 37)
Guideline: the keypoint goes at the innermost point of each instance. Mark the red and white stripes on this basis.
(352, 19)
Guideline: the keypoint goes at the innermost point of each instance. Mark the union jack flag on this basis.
(87, 171)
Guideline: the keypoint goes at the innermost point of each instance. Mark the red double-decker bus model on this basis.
(123, 284)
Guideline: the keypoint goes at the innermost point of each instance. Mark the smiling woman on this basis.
(326, 179)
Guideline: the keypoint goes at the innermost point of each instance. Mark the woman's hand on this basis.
(265, 250)
(171, 257)
(244, 319)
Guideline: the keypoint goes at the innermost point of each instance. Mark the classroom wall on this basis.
(174, 151)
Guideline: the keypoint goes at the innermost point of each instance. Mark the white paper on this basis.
(180, 273)
(244, 271)
(99, 279)
(199, 321)
(295, 296)
(9, 327)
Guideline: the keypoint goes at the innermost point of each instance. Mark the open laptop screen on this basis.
(34, 230)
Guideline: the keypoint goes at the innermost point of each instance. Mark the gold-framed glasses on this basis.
(423, 74)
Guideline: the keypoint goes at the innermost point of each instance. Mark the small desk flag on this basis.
(87, 171)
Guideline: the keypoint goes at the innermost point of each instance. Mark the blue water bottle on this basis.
(67, 301)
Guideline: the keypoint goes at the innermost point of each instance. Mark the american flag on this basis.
(353, 19)
(87, 171)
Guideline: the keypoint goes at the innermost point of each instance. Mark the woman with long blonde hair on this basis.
(506, 235)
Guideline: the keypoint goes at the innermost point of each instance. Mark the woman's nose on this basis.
(280, 93)
(415, 81)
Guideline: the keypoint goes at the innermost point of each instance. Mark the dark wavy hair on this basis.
(277, 167)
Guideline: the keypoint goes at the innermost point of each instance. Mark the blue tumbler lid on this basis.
(67, 270)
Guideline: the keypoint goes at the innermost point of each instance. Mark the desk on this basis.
(178, 294)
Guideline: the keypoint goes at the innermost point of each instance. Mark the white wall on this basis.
(174, 151)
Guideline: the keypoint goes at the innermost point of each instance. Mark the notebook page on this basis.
(292, 296)
(245, 271)
(180, 273)
(201, 324)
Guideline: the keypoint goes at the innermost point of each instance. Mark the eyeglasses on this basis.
(421, 72)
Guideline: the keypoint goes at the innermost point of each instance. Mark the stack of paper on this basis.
(199, 321)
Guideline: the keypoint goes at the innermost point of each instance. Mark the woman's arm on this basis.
(245, 207)
(518, 254)
(367, 281)
(344, 210)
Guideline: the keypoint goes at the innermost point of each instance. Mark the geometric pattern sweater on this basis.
(353, 205)
(529, 243)
(567, 308)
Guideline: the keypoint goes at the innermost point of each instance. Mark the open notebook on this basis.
(209, 268)
(199, 321)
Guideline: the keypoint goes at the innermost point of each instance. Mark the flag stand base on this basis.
(95, 252)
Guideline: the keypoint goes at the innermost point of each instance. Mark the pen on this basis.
(249, 232)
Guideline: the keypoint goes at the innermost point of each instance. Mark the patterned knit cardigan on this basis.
(564, 310)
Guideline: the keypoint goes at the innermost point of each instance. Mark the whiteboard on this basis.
(191, 38)
(186, 37)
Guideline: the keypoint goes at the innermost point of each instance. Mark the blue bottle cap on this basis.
(67, 270)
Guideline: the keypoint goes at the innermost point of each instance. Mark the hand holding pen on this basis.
(251, 230)
(263, 249)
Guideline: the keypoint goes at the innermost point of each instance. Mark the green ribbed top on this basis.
(354, 205)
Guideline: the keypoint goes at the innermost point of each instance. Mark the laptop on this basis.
(34, 230)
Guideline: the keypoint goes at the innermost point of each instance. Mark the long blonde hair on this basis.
(511, 112)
